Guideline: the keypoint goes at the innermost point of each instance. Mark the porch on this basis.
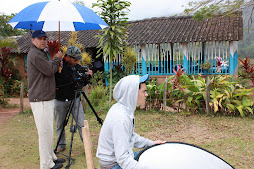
(205, 58)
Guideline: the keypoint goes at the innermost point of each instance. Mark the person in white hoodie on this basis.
(117, 137)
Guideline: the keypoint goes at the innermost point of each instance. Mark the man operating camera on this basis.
(72, 77)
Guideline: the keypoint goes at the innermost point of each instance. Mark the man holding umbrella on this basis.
(41, 94)
(49, 16)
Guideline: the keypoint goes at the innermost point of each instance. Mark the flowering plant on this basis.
(206, 65)
(220, 63)
(178, 71)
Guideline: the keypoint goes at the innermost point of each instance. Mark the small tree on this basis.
(112, 41)
(6, 30)
(5, 60)
(129, 59)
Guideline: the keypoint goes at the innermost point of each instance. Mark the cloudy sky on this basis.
(140, 9)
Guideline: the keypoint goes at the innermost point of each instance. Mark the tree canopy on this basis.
(208, 8)
(6, 30)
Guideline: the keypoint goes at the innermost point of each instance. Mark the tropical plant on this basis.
(226, 96)
(6, 61)
(98, 97)
(6, 45)
(220, 63)
(179, 72)
(117, 74)
(113, 39)
(229, 97)
(206, 66)
(98, 78)
(53, 48)
(15, 87)
(195, 91)
(2, 97)
(155, 94)
(86, 58)
(247, 69)
(129, 60)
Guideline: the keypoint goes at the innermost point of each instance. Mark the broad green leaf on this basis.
(246, 102)
(249, 109)
(215, 104)
(237, 102)
(179, 101)
(190, 99)
(240, 109)
(231, 106)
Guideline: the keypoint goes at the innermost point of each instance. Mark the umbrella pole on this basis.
(59, 44)
(59, 36)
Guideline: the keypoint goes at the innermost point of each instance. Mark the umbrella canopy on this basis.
(57, 15)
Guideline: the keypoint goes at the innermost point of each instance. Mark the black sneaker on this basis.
(60, 160)
(57, 166)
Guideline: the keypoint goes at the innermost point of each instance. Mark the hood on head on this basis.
(126, 91)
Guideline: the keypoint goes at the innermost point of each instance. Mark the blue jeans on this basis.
(118, 167)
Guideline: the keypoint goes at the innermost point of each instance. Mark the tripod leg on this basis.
(73, 127)
(89, 103)
(69, 157)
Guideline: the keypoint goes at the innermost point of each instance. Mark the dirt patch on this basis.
(7, 113)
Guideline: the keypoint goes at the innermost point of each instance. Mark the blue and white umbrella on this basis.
(57, 16)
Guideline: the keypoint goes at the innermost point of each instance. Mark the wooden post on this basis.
(88, 145)
(21, 110)
(207, 100)
(165, 94)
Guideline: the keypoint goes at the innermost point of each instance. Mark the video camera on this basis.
(80, 76)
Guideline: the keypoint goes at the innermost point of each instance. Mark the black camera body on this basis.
(80, 76)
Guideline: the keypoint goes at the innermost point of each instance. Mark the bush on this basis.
(98, 78)
(2, 100)
(189, 93)
(15, 87)
(98, 97)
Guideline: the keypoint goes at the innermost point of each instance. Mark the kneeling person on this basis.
(117, 137)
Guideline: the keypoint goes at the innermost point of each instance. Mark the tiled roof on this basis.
(161, 30)
(185, 29)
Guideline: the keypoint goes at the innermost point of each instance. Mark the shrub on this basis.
(98, 97)
(15, 87)
(247, 69)
(189, 93)
(98, 78)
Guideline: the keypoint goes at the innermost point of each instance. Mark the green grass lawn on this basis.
(231, 138)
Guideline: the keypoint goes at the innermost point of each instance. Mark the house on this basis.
(163, 43)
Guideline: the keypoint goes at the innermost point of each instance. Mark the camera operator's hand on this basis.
(90, 72)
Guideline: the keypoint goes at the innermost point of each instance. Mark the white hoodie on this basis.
(117, 137)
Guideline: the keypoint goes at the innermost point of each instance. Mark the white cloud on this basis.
(139, 9)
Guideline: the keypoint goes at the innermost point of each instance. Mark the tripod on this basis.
(73, 128)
